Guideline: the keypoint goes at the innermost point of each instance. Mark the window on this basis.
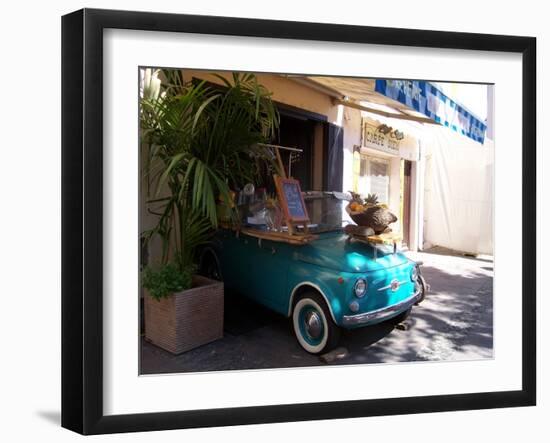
(379, 178)
(363, 167)
(374, 177)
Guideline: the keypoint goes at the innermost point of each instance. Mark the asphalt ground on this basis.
(454, 322)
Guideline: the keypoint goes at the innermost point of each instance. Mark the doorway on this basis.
(407, 166)
(297, 133)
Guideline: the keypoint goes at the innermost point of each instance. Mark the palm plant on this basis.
(202, 141)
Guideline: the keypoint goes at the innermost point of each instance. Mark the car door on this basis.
(264, 272)
(232, 253)
(255, 268)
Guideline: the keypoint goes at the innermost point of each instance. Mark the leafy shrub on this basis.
(166, 280)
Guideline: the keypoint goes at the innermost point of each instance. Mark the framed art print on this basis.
(268, 221)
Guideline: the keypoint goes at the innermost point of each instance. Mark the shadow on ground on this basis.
(53, 417)
(455, 322)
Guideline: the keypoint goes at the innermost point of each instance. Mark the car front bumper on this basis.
(380, 315)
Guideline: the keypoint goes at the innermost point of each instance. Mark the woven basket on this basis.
(376, 217)
(187, 319)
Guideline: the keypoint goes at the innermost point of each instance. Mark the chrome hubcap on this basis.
(314, 325)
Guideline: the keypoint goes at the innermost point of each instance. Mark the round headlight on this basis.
(414, 273)
(360, 287)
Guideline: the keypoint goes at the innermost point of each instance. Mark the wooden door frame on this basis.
(406, 202)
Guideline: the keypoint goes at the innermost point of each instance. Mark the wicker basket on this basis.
(187, 319)
(376, 217)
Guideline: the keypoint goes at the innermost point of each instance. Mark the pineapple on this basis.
(371, 200)
(369, 214)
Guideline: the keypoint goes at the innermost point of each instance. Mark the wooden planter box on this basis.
(186, 319)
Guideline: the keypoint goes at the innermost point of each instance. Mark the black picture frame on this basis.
(82, 215)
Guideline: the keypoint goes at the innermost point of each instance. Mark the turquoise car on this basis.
(331, 283)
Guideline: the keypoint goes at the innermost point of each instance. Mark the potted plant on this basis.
(201, 142)
(182, 310)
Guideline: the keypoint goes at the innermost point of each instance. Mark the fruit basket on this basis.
(369, 213)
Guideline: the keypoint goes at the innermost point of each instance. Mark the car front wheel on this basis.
(313, 326)
(423, 286)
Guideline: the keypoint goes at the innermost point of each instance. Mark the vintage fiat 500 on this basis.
(330, 283)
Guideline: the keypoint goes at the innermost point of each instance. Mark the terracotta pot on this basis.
(187, 319)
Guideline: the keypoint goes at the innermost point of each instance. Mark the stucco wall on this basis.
(290, 92)
(285, 90)
(351, 121)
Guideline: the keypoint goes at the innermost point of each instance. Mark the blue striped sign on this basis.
(425, 98)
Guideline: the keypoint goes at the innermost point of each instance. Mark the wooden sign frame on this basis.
(290, 220)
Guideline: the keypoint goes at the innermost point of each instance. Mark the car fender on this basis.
(322, 291)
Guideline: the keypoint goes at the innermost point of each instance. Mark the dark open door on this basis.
(407, 202)
(333, 158)
(297, 133)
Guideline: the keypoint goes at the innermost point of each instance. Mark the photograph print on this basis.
(294, 221)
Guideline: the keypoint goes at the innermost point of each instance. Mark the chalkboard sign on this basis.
(291, 199)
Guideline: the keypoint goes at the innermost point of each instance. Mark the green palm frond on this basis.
(201, 143)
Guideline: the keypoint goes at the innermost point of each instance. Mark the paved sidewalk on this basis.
(455, 322)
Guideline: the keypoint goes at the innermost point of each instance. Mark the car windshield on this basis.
(326, 210)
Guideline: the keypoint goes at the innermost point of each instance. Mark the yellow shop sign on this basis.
(381, 137)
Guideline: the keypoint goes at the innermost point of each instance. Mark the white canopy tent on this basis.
(454, 174)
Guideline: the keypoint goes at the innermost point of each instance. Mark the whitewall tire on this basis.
(313, 325)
